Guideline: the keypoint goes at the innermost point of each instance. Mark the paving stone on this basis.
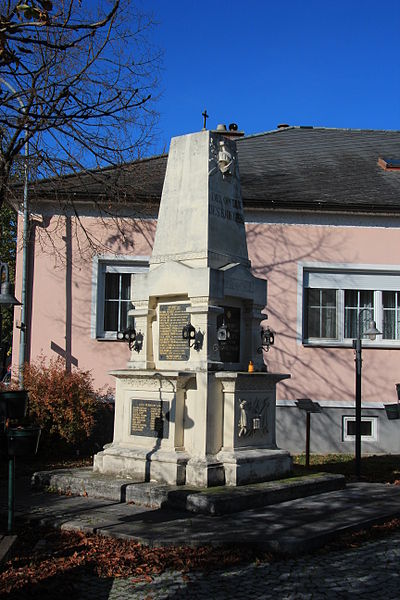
(260, 581)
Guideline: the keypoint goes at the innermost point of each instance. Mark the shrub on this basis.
(66, 405)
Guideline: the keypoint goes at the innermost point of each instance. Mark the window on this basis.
(368, 429)
(112, 294)
(321, 313)
(391, 315)
(356, 301)
(116, 301)
(333, 299)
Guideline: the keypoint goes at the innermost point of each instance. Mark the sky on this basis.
(260, 63)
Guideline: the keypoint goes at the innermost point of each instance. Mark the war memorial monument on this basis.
(187, 409)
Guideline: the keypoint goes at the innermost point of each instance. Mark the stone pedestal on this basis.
(186, 409)
(202, 429)
(149, 427)
(249, 452)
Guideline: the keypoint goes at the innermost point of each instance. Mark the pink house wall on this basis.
(321, 373)
(275, 251)
(54, 294)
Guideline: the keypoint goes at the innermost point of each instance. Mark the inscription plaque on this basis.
(229, 349)
(173, 317)
(150, 418)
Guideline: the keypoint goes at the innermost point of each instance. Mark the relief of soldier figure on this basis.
(253, 416)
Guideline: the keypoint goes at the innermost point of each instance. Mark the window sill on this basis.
(386, 345)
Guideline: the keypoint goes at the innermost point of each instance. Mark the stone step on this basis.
(294, 526)
(212, 501)
(6, 543)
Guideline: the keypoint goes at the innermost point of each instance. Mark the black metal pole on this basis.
(358, 360)
(11, 493)
(1, 341)
(308, 427)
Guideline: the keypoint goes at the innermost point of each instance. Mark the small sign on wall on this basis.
(150, 418)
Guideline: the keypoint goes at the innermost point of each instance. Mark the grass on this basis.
(382, 468)
(25, 466)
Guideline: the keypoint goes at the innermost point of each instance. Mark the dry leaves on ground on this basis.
(71, 554)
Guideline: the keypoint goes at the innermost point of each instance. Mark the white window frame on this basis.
(396, 307)
(366, 438)
(341, 276)
(105, 264)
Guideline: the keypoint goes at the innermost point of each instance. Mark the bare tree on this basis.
(76, 84)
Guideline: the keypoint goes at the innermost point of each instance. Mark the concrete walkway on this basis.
(6, 544)
(369, 572)
(293, 527)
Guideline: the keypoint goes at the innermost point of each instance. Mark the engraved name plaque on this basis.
(173, 317)
(150, 418)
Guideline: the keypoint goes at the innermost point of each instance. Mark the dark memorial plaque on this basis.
(150, 418)
(173, 317)
(229, 349)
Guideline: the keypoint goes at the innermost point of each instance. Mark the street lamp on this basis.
(6, 296)
(371, 332)
(25, 235)
(8, 299)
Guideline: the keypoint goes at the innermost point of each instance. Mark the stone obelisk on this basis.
(187, 410)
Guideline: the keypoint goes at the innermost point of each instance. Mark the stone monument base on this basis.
(239, 467)
(142, 465)
(229, 468)
(194, 428)
(246, 466)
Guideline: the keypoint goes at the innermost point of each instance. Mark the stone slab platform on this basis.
(212, 501)
(292, 527)
(6, 544)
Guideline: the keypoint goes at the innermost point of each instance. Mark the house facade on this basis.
(322, 212)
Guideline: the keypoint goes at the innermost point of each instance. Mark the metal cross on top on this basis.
(206, 116)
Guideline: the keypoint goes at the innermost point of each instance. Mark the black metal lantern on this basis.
(223, 333)
(267, 339)
(188, 332)
(193, 337)
(135, 340)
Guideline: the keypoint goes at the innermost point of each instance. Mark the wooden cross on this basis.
(206, 116)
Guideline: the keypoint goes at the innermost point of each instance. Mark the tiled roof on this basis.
(320, 168)
(295, 167)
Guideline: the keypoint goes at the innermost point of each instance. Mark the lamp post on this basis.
(8, 299)
(22, 336)
(371, 332)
